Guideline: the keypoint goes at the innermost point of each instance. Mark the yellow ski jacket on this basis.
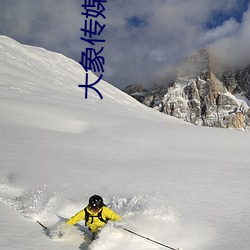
(94, 223)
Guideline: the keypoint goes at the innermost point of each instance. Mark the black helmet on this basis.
(96, 202)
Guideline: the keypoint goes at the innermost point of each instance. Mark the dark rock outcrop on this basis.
(199, 96)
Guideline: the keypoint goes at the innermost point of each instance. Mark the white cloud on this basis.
(233, 50)
(228, 28)
(170, 31)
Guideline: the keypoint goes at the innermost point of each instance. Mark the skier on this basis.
(95, 214)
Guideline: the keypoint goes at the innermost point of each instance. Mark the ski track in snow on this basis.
(145, 214)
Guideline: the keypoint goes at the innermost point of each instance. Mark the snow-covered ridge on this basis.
(40, 68)
(35, 75)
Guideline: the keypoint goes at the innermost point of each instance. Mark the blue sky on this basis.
(144, 39)
(218, 17)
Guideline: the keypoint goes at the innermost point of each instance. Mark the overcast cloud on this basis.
(145, 39)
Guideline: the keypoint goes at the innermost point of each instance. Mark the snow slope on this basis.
(176, 183)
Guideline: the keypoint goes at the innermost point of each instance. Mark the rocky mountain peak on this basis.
(200, 96)
(196, 64)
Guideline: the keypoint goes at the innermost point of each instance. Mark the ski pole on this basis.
(45, 228)
(146, 238)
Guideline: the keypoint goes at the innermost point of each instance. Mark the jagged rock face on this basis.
(199, 97)
(205, 102)
(137, 91)
(134, 88)
(237, 81)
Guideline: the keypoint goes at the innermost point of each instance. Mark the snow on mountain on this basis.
(200, 96)
(179, 184)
